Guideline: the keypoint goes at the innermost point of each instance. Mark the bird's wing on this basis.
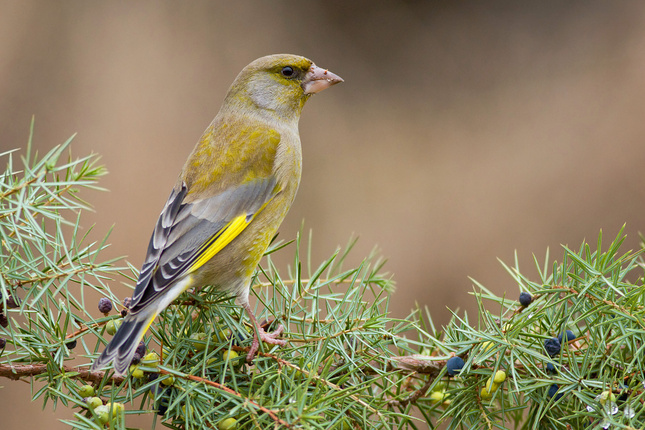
(188, 234)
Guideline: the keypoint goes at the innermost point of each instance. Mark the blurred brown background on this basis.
(464, 131)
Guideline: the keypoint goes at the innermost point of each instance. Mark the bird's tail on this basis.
(124, 344)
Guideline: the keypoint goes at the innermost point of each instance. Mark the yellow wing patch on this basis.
(223, 237)
(148, 324)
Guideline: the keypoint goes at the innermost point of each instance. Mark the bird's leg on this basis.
(260, 334)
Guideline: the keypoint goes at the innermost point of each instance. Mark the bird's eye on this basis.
(287, 71)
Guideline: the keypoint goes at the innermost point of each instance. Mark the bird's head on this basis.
(279, 85)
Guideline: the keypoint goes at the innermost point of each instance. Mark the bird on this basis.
(231, 196)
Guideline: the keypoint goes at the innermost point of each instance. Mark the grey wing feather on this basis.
(183, 228)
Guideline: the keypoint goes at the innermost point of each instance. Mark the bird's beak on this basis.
(318, 79)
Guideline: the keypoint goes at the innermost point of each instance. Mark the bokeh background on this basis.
(464, 131)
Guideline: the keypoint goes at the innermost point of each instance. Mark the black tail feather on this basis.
(123, 345)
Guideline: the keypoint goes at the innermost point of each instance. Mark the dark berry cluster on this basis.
(139, 353)
(552, 347)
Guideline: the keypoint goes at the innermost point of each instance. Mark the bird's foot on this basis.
(271, 338)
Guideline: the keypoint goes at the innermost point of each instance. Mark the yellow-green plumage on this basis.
(229, 200)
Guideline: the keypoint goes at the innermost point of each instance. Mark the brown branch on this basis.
(418, 363)
(58, 274)
(605, 301)
(316, 377)
(17, 371)
(414, 396)
(484, 414)
(304, 281)
(217, 385)
(86, 328)
(304, 372)
(324, 321)
(23, 185)
(332, 336)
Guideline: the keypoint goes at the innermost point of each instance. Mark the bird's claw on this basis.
(270, 338)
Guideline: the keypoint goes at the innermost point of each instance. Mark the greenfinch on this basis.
(229, 200)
